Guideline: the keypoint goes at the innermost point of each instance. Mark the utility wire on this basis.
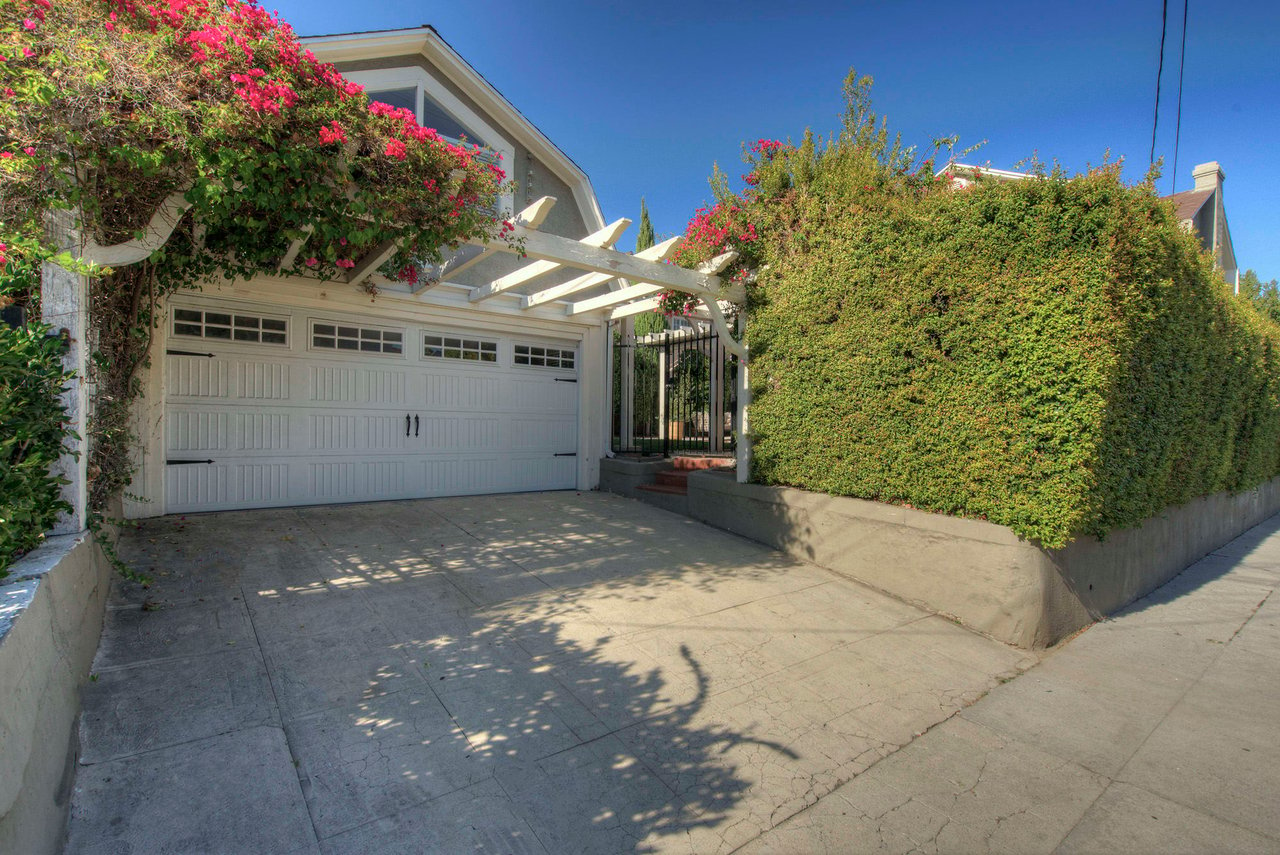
(1182, 61)
(1155, 123)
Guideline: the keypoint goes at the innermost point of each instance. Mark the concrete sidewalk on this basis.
(1157, 731)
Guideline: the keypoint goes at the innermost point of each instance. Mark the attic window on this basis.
(404, 98)
(431, 114)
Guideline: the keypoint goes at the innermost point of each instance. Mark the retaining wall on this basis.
(51, 611)
(980, 573)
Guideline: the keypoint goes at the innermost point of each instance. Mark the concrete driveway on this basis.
(551, 672)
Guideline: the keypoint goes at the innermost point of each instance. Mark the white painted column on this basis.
(744, 406)
(592, 412)
(715, 414)
(662, 387)
(627, 384)
(64, 305)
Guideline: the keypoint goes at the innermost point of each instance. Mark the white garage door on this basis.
(265, 409)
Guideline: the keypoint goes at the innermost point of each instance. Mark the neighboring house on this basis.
(286, 390)
(1201, 209)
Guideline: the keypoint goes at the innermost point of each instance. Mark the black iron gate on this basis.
(674, 392)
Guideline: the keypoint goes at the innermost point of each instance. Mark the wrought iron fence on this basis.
(674, 393)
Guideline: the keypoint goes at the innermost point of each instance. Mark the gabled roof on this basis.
(1189, 202)
(425, 41)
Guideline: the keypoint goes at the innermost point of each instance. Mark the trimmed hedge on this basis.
(1053, 355)
(31, 432)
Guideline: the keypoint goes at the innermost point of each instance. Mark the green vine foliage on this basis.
(31, 434)
(1053, 354)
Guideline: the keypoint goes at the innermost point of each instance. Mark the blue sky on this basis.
(646, 96)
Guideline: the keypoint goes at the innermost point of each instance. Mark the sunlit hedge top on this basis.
(108, 107)
(1054, 354)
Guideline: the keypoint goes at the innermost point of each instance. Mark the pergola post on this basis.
(662, 393)
(744, 407)
(64, 305)
(627, 385)
(715, 416)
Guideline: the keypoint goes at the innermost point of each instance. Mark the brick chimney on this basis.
(1208, 176)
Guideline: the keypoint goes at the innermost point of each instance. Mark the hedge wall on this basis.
(31, 433)
(1053, 355)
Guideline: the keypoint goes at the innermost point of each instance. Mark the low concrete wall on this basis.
(979, 573)
(51, 611)
(622, 475)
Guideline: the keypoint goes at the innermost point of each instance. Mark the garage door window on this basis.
(230, 326)
(456, 347)
(543, 357)
(326, 336)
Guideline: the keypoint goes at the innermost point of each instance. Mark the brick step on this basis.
(689, 464)
(674, 478)
(669, 489)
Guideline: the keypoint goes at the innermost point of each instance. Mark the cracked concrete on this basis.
(534, 673)
(558, 673)
(1154, 731)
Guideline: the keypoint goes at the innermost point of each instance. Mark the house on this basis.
(1201, 209)
(487, 376)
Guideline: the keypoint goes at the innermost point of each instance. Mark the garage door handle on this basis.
(184, 462)
(566, 454)
(187, 353)
(406, 424)
(415, 425)
(566, 380)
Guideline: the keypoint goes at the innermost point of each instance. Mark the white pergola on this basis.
(635, 282)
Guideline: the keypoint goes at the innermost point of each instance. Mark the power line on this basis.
(1182, 61)
(1155, 122)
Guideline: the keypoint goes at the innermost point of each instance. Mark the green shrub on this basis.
(31, 434)
(1054, 355)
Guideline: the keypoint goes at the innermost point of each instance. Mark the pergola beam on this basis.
(372, 260)
(295, 247)
(469, 255)
(605, 237)
(658, 252)
(636, 308)
(707, 269)
(156, 235)
(571, 253)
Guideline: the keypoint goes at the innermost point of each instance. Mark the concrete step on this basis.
(669, 489)
(674, 478)
(690, 464)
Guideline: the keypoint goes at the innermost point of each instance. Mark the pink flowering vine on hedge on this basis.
(223, 94)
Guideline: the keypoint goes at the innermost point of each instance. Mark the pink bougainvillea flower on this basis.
(342, 241)
(397, 149)
(28, 52)
(29, 151)
(312, 262)
(6, 154)
(332, 133)
(345, 263)
(29, 24)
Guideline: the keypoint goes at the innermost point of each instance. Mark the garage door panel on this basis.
(262, 381)
(197, 377)
(292, 428)
(542, 434)
(332, 384)
(464, 391)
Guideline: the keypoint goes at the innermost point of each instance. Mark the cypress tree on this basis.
(644, 238)
(649, 322)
